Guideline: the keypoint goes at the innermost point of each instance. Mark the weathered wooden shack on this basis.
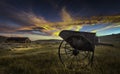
(2, 39)
(18, 40)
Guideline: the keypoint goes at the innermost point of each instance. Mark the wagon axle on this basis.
(75, 52)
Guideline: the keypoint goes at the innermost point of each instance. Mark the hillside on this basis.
(111, 39)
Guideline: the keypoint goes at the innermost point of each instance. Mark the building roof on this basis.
(17, 39)
(2, 39)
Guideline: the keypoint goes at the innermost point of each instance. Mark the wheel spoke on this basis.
(72, 58)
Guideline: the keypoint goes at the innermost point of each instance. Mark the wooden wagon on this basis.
(76, 48)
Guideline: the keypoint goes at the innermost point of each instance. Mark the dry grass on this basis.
(43, 59)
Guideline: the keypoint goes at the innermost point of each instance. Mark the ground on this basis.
(43, 59)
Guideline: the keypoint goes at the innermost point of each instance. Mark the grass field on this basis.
(43, 59)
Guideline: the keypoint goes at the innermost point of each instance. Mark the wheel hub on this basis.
(75, 52)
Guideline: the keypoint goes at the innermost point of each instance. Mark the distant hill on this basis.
(47, 41)
(112, 39)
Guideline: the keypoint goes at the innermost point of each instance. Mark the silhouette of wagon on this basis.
(76, 48)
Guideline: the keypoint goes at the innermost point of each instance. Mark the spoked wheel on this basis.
(73, 58)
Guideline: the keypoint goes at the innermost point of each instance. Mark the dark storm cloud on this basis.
(6, 28)
(21, 18)
(9, 12)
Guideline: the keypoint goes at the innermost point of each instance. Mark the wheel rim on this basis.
(73, 58)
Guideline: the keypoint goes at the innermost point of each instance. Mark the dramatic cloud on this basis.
(34, 18)
(66, 17)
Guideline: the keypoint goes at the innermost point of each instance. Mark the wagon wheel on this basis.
(72, 58)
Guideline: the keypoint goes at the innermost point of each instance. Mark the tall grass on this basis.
(45, 60)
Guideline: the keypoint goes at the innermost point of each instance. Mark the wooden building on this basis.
(2, 39)
(18, 40)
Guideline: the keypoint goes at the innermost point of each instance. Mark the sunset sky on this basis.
(44, 19)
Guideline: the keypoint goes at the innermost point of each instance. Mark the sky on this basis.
(44, 19)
